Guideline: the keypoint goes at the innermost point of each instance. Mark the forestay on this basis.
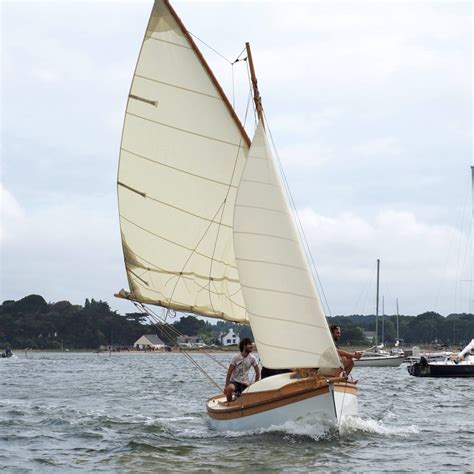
(181, 159)
(285, 311)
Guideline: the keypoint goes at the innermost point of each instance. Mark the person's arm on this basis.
(350, 355)
(257, 372)
(230, 371)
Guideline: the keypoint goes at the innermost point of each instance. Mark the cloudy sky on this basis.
(369, 104)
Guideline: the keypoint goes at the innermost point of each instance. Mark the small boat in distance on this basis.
(458, 365)
(376, 356)
(207, 229)
(7, 353)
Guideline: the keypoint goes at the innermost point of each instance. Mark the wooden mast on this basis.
(256, 94)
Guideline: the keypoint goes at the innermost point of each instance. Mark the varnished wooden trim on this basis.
(258, 402)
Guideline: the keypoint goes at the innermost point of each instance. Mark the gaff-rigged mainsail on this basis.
(181, 159)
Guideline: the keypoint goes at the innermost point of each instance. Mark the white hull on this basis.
(379, 361)
(328, 407)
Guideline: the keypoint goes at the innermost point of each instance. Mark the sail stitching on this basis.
(272, 263)
(302, 323)
(259, 182)
(239, 145)
(203, 310)
(169, 42)
(206, 219)
(262, 208)
(225, 202)
(188, 274)
(178, 169)
(264, 235)
(171, 241)
(179, 87)
(288, 349)
(271, 290)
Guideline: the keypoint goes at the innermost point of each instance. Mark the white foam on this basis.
(351, 424)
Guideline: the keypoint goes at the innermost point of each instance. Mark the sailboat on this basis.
(446, 364)
(376, 356)
(206, 229)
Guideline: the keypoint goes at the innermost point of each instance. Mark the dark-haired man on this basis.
(237, 379)
(347, 358)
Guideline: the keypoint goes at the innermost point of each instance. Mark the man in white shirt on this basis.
(237, 379)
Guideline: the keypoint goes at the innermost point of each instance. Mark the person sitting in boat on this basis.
(347, 358)
(237, 379)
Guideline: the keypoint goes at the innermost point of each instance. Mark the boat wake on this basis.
(352, 424)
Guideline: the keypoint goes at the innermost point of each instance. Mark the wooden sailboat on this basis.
(207, 229)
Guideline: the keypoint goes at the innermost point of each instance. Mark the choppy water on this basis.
(63, 412)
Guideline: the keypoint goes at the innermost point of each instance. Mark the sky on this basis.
(369, 105)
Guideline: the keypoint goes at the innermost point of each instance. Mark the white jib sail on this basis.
(284, 308)
(181, 159)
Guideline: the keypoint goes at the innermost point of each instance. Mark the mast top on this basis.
(256, 94)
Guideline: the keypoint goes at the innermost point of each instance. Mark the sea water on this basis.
(145, 412)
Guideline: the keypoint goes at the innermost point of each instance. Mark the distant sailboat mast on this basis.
(398, 328)
(383, 320)
(377, 305)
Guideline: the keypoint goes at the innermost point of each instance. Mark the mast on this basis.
(377, 305)
(256, 94)
(398, 333)
(383, 320)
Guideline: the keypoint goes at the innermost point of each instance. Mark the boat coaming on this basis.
(281, 398)
(380, 361)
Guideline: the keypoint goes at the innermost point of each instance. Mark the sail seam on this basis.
(189, 274)
(169, 42)
(173, 242)
(174, 304)
(292, 321)
(179, 87)
(259, 182)
(264, 235)
(272, 263)
(206, 219)
(292, 350)
(178, 169)
(271, 290)
(186, 131)
(262, 208)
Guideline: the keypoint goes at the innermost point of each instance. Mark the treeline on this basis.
(33, 323)
(426, 328)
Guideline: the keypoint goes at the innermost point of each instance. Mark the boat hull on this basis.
(307, 399)
(380, 361)
(426, 369)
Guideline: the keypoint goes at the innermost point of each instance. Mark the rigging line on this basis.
(214, 221)
(233, 81)
(225, 202)
(297, 218)
(210, 47)
(459, 249)
(168, 329)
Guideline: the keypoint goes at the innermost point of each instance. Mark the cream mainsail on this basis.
(181, 160)
(205, 223)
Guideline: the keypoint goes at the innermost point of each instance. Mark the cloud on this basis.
(67, 250)
(378, 147)
(417, 258)
(11, 214)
